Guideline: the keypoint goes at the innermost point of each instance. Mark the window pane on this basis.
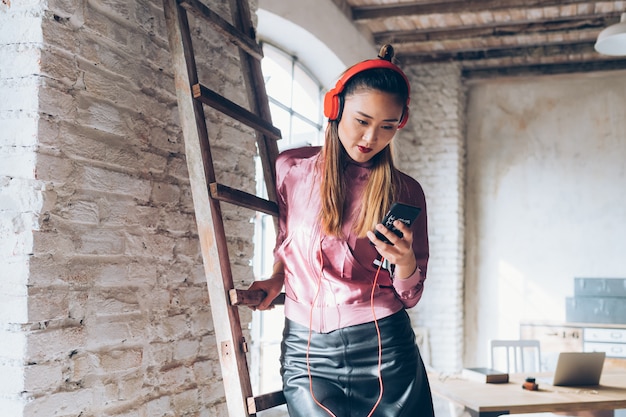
(306, 95)
(276, 69)
(281, 120)
(303, 133)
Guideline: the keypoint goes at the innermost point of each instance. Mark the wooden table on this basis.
(490, 400)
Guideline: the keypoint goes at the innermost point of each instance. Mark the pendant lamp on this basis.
(612, 40)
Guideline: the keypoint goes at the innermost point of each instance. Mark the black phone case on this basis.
(398, 211)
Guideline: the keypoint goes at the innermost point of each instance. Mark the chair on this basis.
(519, 355)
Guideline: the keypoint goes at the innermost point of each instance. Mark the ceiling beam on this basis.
(530, 52)
(516, 70)
(451, 6)
(581, 22)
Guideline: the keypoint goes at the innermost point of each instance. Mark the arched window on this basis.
(295, 98)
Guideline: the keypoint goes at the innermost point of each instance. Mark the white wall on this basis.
(546, 198)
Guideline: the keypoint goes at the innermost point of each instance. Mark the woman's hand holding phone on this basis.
(393, 238)
(400, 252)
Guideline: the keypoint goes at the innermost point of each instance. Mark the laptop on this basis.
(577, 368)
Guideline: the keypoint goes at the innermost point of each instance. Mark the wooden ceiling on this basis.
(492, 37)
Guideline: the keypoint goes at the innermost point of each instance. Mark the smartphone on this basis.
(398, 211)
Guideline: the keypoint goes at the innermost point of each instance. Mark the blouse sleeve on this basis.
(282, 167)
(410, 290)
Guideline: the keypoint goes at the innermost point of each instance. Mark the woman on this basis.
(348, 347)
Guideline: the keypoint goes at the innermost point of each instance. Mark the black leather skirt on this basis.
(344, 371)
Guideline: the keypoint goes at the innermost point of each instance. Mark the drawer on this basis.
(614, 350)
(592, 334)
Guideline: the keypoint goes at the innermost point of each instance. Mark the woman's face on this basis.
(369, 121)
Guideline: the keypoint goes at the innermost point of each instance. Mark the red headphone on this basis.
(333, 101)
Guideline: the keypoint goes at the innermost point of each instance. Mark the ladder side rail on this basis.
(232, 33)
(257, 97)
(268, 149)
(228, 332)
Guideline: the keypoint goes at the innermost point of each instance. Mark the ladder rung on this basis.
(265, 401)
(232, 109)
(240, 198)
(252, 298)
(245, 42)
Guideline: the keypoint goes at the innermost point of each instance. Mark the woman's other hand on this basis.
(271, 287)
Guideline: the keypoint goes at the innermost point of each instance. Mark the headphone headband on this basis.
(332, 99)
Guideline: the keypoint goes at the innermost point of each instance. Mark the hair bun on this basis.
(386, 52)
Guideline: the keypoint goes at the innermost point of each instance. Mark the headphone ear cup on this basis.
(332, 104)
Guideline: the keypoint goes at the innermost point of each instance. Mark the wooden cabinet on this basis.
(577, 337)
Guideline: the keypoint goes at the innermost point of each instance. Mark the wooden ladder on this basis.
(207, 193)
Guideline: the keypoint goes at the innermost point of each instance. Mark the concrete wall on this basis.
(546, 200)
(103, 303)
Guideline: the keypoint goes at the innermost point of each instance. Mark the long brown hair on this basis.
(381, 189)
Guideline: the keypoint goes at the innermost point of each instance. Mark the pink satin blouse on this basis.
(328, 280)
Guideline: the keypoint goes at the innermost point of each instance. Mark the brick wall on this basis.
(104, 308)
(432, 150)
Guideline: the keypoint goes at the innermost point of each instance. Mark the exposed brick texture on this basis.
(104, 307)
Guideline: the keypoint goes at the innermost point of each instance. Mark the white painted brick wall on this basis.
(103, 303)
(20, 193)
(432, 150)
